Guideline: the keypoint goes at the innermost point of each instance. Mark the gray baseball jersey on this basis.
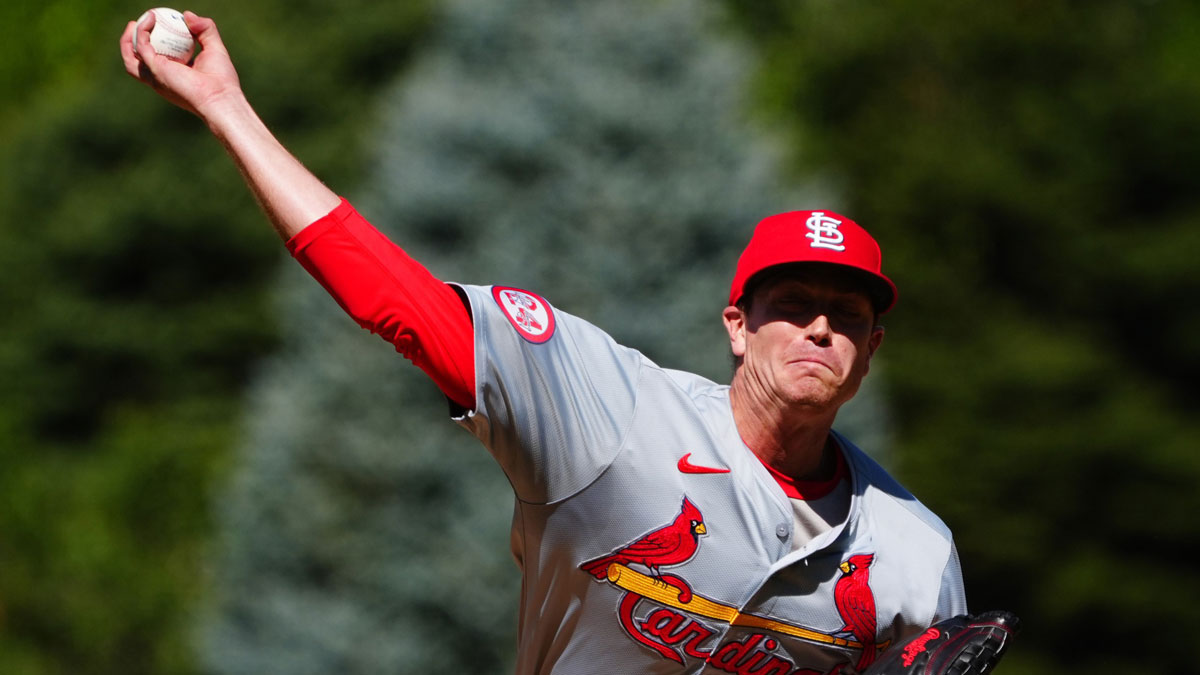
(652, 540)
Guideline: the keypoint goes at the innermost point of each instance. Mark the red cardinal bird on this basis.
(856, 603)
(670, 545)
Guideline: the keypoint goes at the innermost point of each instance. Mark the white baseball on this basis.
(170, 35)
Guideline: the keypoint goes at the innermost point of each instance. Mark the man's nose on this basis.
(819, 330)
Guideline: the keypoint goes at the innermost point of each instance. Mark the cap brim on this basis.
(878, 288)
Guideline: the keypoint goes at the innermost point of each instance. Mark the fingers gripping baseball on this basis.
(193, 87)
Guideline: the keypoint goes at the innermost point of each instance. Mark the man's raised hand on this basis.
(209, 80)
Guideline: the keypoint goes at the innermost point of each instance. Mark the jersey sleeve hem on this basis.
(460, 413)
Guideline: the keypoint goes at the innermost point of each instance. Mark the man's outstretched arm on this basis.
(376, 282)
(290, 194)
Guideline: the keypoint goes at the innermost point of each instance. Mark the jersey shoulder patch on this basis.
(527, 312)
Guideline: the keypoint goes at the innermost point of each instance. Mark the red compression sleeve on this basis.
(393, 296)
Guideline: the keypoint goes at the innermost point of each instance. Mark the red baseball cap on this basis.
(815, 237)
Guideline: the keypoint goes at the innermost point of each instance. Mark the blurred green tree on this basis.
(134, 305)
(1031, 171)
(599, 153)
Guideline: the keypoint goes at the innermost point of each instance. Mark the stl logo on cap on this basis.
(825, 232)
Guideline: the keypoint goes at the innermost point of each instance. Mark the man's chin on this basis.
(819, 394)
(813, 397)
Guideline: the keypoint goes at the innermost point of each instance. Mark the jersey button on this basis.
(782, 532)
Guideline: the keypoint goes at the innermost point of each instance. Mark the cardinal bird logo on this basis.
(856, 603)
(672, 544)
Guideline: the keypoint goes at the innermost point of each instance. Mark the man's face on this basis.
(806, 339)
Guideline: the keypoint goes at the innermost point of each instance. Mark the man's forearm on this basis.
(290, 194)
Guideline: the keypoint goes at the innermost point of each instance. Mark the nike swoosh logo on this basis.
(687, 467)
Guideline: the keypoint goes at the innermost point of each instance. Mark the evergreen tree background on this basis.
(134, 304)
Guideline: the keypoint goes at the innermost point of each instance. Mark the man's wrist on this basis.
(223, 114)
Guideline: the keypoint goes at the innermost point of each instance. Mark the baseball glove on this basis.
(964, 645)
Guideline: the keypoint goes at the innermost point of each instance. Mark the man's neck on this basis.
(794, 441)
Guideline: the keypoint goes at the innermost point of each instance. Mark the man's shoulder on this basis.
(507, 313)
(886, 495)
(507, 318)
(696, 386)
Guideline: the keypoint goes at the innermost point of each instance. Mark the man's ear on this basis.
(874, 341)
(735, 325)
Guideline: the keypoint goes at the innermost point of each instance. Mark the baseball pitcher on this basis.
(664, 523)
